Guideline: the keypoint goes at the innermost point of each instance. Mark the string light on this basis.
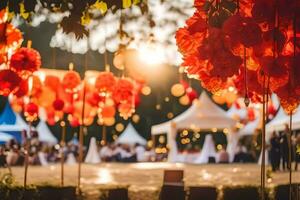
(170, 115)
(119, 127)
(146, 90)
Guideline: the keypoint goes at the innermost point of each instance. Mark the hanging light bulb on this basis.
(246, 100)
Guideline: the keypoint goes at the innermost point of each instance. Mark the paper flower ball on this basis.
(9, 82)
(25, 61)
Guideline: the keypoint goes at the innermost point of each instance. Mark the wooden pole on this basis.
(104, 136)
(290, 157)
(80, 157)
(26, 151)
(62, 154)
(263, 142)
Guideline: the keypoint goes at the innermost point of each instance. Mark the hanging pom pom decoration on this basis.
(31, 111)
(58, 105)
(23, 89)
(105, 83)
(124, 91)
(25, 61)
(71, 81)
(10, 37)
(9, 82)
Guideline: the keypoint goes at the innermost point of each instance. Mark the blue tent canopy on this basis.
(7, 116)
(8, 123)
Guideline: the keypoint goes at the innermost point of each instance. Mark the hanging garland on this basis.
(222, 33)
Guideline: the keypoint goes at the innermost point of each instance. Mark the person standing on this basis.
(275, 151)
(284, 148)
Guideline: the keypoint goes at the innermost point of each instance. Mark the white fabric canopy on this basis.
(234, 112)
(4, 137)
(203, 114)
(130, 136)
(92, 156)
(250, 127)
(45, 134)
(208, 150)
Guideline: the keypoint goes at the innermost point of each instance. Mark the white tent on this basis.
(203, 114)
(235, 113)
(4, 137)
(92, 156)
(45, 134)
(208, 150)
(130, 136)
(250, 127)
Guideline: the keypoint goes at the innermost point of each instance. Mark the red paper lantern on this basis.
(31, 110)
(126, 110)
(25, 61)
(68, 108)
(58, 105)
(52, 82)
(46, 97)
(107, 112)
(51, 121)
(124, 91)
(105, 82)
(191, 93)
(9, 82)
(74, 122)
(71, 81)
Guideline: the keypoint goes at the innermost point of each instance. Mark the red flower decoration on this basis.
(225, 64)
(9, 82)
(242, 30)
(107, 112)
(105, 82)
(263, 11)
(25, 61)
(58, 105)
(31, 110)
(196, 24)
(187, 43)
(10, 37)
(124, 91)
(275, 69)
(71, 81)
(126, 110)
(23, 89)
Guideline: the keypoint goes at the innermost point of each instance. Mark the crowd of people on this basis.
(13, 153)
(279, 150)
(125, 153)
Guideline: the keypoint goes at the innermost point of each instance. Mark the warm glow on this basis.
(119, 127)
(104, 176)
(146, 90)
(214, 130)
(151, 54)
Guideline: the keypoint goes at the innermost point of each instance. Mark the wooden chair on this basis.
(172, 192)
(203, 193)
(282, 192)
(118, 194)
(173, 177)
(241, 193)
